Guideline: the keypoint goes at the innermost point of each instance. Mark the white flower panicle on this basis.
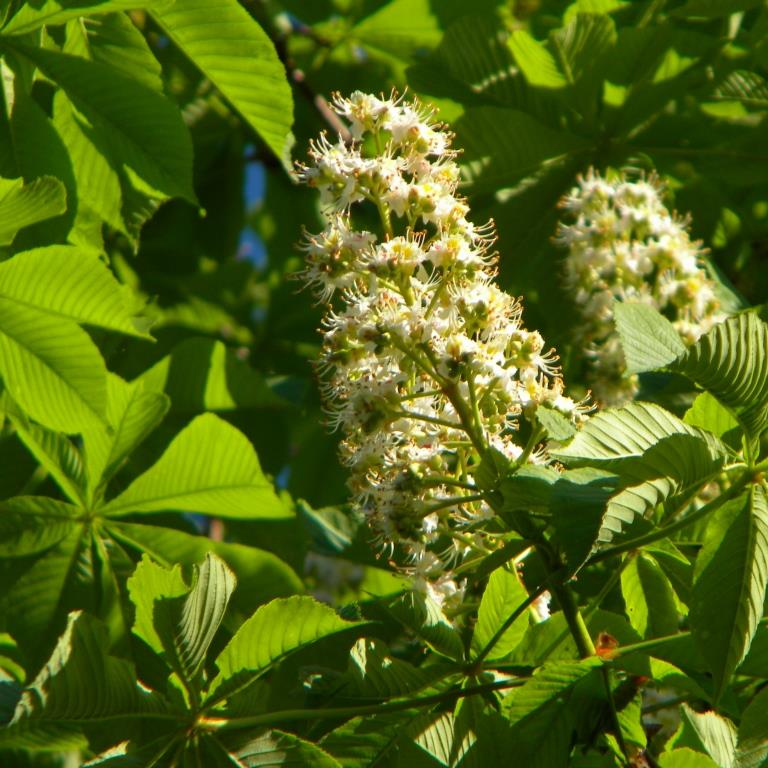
(425, 364)
(623, 243)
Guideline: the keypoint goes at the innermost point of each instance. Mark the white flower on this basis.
(623, 243)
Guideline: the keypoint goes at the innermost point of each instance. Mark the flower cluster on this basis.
(426, 366)
(624, 243)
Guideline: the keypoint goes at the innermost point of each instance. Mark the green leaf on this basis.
(401, 28)
(730, 582)
(24, 204)
(274, 631)
(541, 714)
(33, 16)
(54, 451)
(148, 586)
(132, 414)
(139, 127)
(558, 426)
(648, 597)
(67, 282)
(422, 615)
(711, 9)
(205, 375)
(51, 368)
(502, 145)
(649, 341)
(502, 596)
(731, 362)
(32, 524)
(375, 673)
(239, 59)
(716, 734)
(275, 748)
(80, 682)
(202, 613)
(536, 62)
(261, 576)
(707, 413)
(752, 749)
(686, 758)
(209, 467)
(656, 454)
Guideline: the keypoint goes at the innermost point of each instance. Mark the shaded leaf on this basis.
(32, 524)
(730, 583)
(24, 204)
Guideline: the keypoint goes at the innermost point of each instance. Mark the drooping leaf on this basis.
(503, 595)
(210, 468)
(274, 631)
(240, 60)
(649, 341)
(132, 414)
(67, 282)
(648, 597)
(730, 584)
(51, 368)
(33, 16)
(24, 204)
(686, 758)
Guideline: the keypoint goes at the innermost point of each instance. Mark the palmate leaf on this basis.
(51, 368)
(731, 362)
(730, 584)
(261, 576)
(54, 451)
(274, 631)
(209, 467)
(32, 524)
(239, 59)
(33, 16)
(80, 682)
(654, 453)
(503, 595)
(132, 414)
(67, 282)
(541, 715)
(24, 204)
(140, 127)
